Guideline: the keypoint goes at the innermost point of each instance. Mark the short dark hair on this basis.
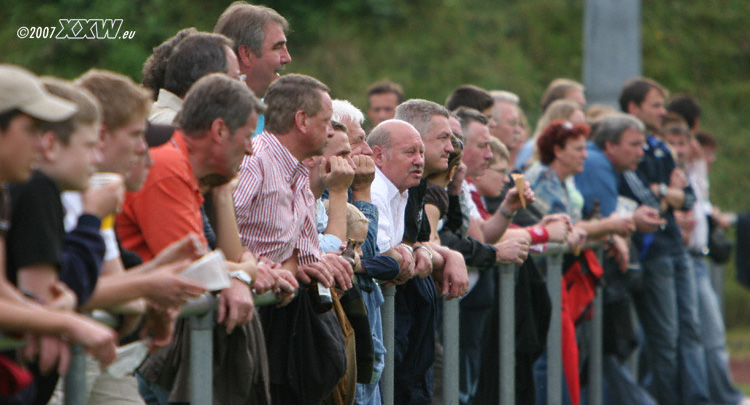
(213, 96)
(289, 94)
(634, 90)
(674, 124)
(7, 116)
(194, 57)
(687, 106)
(705, 139)
(156, 65)
(384, 87)
(558, 133)
(470, 96)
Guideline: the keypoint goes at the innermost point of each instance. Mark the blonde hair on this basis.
(88, 113)
(354, 217)
(499, 151)
(121, 98)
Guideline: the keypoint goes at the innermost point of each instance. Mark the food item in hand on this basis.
(520, 186)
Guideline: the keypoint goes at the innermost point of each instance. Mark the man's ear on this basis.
(378, 155)
(245, 55)
(633, 108)
(219, 130)
(50, 145)
(300, 121)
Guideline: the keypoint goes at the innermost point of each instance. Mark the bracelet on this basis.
(505, 214)
(538, 234)
(429, 252)
(409, 248)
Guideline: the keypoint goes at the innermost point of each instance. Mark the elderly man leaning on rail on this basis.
(375, 266)
(276, 218)
(403, 155)
(216, 122)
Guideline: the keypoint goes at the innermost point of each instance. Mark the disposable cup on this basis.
(99, 179)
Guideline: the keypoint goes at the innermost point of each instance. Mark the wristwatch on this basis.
(242, 276)
(662, 190)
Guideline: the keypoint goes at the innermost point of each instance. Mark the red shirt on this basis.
(167, 207)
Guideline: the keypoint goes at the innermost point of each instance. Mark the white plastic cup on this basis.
(100, 179)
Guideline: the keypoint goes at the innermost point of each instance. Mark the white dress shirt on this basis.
(391, 211)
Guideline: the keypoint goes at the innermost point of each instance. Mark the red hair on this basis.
(558, 133)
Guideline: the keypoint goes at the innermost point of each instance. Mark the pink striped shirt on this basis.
(275, 207)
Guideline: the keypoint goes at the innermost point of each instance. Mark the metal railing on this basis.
(506, 298)
(201, 314)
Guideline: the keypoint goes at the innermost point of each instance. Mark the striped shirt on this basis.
(274, 204)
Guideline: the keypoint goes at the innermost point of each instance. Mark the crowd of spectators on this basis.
(111, 189)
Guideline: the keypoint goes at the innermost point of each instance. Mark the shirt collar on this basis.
(290, 166)
(167, 99)
(392, 190)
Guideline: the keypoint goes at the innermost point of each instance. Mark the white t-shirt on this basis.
(73, 204)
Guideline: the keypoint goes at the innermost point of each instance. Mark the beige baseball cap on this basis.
(20, 89)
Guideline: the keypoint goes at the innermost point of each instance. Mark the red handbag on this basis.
(580, 280)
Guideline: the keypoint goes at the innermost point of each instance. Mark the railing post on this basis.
(507, 321)
(388, 312)
(554, 337)
(595, 356)
(75, 380)
(716, 272)
(450, 352)
(201, 357)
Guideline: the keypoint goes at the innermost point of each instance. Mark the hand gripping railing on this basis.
(201, 313)
(506, 298)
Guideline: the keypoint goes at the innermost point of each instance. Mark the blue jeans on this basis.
(714, 338)
(619, 385)
(152, 393)
(369, 394)
(668, 310)
(540, 382)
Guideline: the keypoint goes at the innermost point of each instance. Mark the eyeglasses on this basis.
(502, 172)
